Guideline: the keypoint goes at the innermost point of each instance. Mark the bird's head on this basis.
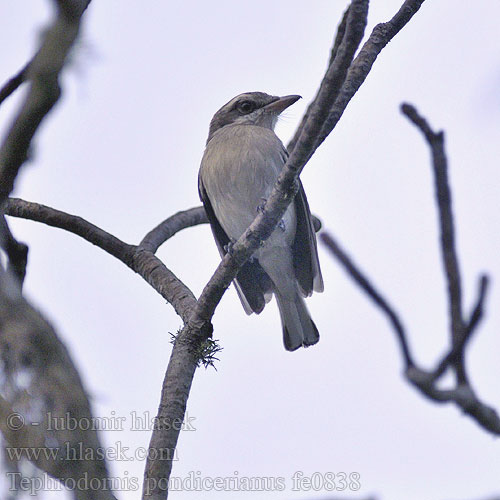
(251, 108)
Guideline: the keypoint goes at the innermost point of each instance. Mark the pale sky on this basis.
(122, 150)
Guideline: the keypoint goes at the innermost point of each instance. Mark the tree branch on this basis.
(447, 231)
(174, 396)
(286, 185)
(39, 384)
(143, 262)
(164, 231)
(183, 220)
(425, 381)
(43, 74)
(381, 35)
(370, 290)
(339, 37)
(14, 83)
(349, 35)
(462, 395)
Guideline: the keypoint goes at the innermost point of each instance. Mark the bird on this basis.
(242, 160)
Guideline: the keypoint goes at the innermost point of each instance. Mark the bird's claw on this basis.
(229, 248)
(281, 225)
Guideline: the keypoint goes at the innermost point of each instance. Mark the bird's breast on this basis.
(238, 171)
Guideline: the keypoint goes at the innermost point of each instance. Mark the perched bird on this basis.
(242, 160)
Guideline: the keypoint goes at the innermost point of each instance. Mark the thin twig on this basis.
(165, 230)
(446, 226)
(458, 348)
(14, 83)
(16, 207)
(462, 395)
(183, 220)
(370, 290)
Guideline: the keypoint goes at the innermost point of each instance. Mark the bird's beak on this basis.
(281, 103)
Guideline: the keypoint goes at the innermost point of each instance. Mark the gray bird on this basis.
(242, 160)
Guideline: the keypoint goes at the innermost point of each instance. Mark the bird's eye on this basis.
(246, 107)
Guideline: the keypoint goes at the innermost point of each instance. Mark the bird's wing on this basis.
(304, 246)
(253, 285)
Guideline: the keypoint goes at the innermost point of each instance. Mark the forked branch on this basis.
(343, 77)
(461, 328)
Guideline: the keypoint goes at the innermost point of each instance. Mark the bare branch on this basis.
(462, 394)
(286, 186)
(370, 290)
(42, 73)
(381, 35)
(339, 37)
(14, 83)
(174, 395)
(164, 231)
(260, 229)
(139, 260)
(458, 348)
(447, 231)
(16, 207)
(183, 220)
(350, 32)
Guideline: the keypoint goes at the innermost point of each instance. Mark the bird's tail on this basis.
(298, 327)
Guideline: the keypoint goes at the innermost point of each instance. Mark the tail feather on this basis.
(298, 327)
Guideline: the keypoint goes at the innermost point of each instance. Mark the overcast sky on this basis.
(122, 150)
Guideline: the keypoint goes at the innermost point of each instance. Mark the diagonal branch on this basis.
(462, 393)
(370, 290)
(350, 33)
(286, 185)
(174, 395)
(347, 39)
(458, 349)
(381, 35)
